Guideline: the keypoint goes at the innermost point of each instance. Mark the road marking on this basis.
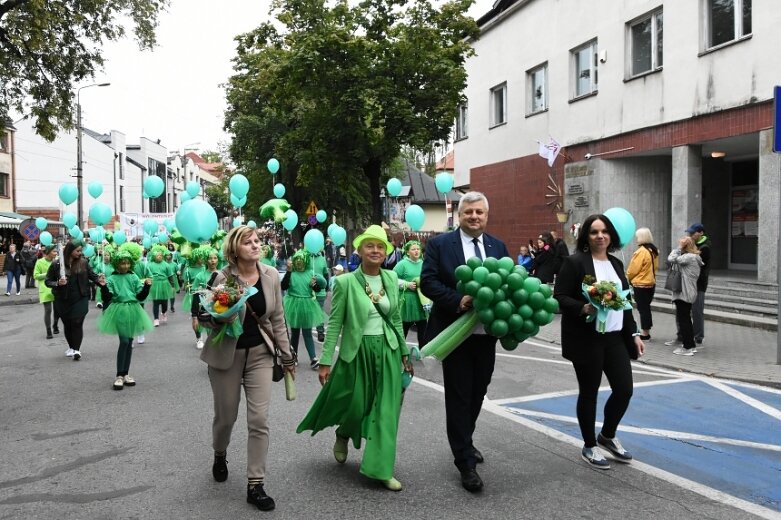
(683, 483)
(740, 396)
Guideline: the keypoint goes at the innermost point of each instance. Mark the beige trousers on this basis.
(251, 368)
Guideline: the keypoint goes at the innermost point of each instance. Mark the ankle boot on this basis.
(49, 334)
(220, 468)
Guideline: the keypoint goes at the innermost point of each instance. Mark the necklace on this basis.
(375, 298)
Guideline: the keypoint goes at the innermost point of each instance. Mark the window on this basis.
(122, 198)
(121, 166)
(4, 185)
(727, 20)
(4, 141)
(645, 43)
(537, 79)
(461, 129)
(585, 69)
(498, 105)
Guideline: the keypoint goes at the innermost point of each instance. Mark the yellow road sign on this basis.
(311, 209)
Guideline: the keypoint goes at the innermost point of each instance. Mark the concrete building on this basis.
(661, 107)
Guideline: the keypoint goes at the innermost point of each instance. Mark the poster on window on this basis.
(745, 214)
(133, 223)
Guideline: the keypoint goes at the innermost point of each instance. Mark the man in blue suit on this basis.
(467, 370)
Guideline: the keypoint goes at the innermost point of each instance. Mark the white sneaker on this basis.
(199, 344)
(685, 351)
(69, 352)
(164, 318)
(76, 355)
(157, 323)
(674, 343)
(140, 340)
(18, 293)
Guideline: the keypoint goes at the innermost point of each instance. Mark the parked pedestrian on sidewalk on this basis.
(412, 312)
(71, 293)
(703, 243)
(641, 273)
(361, 395)
(591, 352)
(29, 257)
(123, 315)
(468, 369)
(14, 268)
(687, 258)
(302, 312)
(45, 295)
(162, 275)
(247, 361)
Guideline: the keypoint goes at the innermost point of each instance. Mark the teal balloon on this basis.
(88, 251)
(236, 222)
(41, 223)
(279, 190)
(444, 182)
(45, 238)
(196, 221)
(95, 189)
(193, 189)
(69, 219)
(239, 185)
(147, 242)
(151, 226)
(169, 224)
(153, 186)
(97, 234)
(163, 236)
(238, 202)
(338, 235)
(393, 187)
(119, 238)
(624, 223)
(68, 193)
(184, 197)
(331, 227)
(291, 220)
(273, 166)
(252, 224)
(314, 241)
(415, 216)
(100, 213)
(321, 216)
(74, 230)
(155, 240)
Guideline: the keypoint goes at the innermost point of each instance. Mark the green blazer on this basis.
(350, 306)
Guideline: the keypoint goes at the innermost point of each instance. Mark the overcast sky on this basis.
(174, 93)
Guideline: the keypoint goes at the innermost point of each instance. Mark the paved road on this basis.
(74, 448)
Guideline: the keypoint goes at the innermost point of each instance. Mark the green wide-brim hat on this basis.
(374, 232)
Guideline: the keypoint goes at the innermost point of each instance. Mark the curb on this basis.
(17, 300)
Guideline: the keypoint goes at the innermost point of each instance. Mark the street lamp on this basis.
(79, 162)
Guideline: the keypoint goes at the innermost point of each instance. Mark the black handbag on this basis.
(673, 282)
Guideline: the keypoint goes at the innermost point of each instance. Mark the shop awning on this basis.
(11, 220)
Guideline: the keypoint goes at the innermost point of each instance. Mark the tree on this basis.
(48, 47)
(337, 95)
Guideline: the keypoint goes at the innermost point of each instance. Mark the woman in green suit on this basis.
(362, 394)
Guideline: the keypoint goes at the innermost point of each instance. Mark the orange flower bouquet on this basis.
(223, 302)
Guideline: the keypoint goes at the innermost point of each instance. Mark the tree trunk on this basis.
(372, 169)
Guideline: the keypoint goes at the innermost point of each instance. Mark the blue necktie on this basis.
(478, 254)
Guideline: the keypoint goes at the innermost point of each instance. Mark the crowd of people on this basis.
(377, 295)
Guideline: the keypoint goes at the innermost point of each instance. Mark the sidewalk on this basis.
(730, 351)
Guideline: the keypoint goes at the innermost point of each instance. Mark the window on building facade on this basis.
(537, 79)
(585, 69)
(645, 43)
(461, 128)
(498, 105)
(121, 198)
(4, 141)
(727, 20)
(4, 185)
(121, 166)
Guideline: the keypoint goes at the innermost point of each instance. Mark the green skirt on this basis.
(126, 320)
(363, 398)
(411, 309)
(161, 290)
(303, 313)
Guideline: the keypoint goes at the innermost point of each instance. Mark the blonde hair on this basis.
(232, 241)
(689, 246)
(644, 236)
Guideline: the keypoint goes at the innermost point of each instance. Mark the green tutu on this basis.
(126, 320)
(363, 397)
(161, 290)
(303, 313)
(411, 309)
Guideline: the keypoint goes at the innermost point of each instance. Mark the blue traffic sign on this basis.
(777, 120)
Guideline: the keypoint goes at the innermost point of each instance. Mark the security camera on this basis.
(588, 156)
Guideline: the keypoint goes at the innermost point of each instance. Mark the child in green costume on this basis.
(169, 259)
(162, 276)
(302, 311)
(409, 277)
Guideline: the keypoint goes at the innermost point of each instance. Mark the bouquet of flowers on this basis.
(605, 297)
(224, 301)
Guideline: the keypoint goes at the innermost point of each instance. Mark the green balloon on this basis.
(463, 273)
(485, 295)
(535, 330)
(520, 297)
(486, 316)
(474, 263)
(541, 317)
(515, 322)
(499, 328)
(499, 295)
(491, 263)
(503, 310)
(506, 263)
(525, 312)
(460, 287)
(536, 300)
(521, 270)
(480, 274)
(546, 290)
(520, 336)
(551, 305)
(528, 327)
(509, 343)
(493, 280)
(504, 273)
(479, 305)
(471, 288)
(531, 284)
(515, 281)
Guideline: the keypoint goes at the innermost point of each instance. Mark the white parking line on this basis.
(740, 396)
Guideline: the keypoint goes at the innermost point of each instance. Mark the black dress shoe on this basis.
(471, 480)
(56, 330)
(49, 334)
(478, 456)
(220, 468)
(257, 495)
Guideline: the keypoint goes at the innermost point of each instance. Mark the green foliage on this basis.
(338, 93)
(50, 47)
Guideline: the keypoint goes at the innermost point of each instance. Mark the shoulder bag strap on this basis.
(359, 276)
(273, 349)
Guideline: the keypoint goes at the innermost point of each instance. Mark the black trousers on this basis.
(157, 305)
(683, 317)
(644, 296)
(467, 372)
(74, 331)
(611, 358)
(124, 354)
(421, 328)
